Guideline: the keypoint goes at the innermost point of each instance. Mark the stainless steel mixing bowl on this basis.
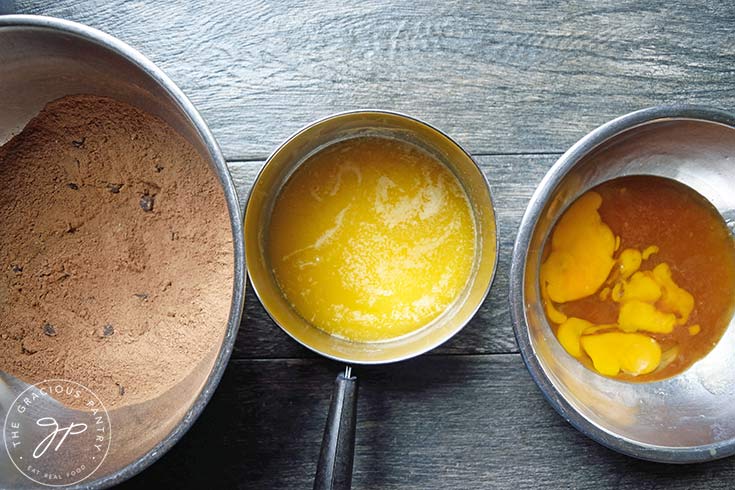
(687, 418)
(42, 59)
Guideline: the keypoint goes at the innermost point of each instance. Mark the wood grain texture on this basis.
(501, 77)
(455, 422)
(518, 82)
(512, 178)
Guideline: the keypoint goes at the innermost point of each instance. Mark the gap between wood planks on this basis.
(314, 357)
(262, 159)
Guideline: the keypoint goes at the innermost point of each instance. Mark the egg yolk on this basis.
(629, 261)
(582, 263)
(673, 298)
(570, 332)
(612, 352)
(636, 315)
(641, 286)
(582, 248)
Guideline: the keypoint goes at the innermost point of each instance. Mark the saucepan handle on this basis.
(334, 471)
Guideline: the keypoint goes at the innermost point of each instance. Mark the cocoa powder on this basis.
(116, 251)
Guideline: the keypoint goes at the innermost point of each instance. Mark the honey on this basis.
(371, 239)
(638, 279)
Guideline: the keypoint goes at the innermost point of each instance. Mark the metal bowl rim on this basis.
(604, 133)
(474, 311)
(119, 48)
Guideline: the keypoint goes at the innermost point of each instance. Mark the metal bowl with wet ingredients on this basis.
(683, 419)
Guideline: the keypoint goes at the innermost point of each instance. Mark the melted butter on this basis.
(371, 239)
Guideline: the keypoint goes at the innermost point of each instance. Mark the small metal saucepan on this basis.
(335, 465)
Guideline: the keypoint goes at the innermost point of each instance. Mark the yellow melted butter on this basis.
(371, 239)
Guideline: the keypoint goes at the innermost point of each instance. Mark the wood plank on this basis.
(432, 423)
(506, 77)
(512, 179)
(501, 77)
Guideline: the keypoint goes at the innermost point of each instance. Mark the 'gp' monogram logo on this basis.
(57, 433)
(72, 430)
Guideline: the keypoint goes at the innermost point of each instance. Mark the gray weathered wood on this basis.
(501, 77)
(460, 422)
(512, 179)
(520, 80)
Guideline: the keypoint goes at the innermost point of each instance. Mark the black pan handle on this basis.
(334, 471)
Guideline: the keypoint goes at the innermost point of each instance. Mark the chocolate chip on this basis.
(159, 167)
(146, 202)
(72, 186)
(49, 330)
(79, 143)
(108, 330)
(141, 295)
(114, 188)
(17, 269)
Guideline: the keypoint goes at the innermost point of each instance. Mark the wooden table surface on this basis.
(516, 83)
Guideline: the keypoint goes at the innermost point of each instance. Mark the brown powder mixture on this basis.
(116, 251)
